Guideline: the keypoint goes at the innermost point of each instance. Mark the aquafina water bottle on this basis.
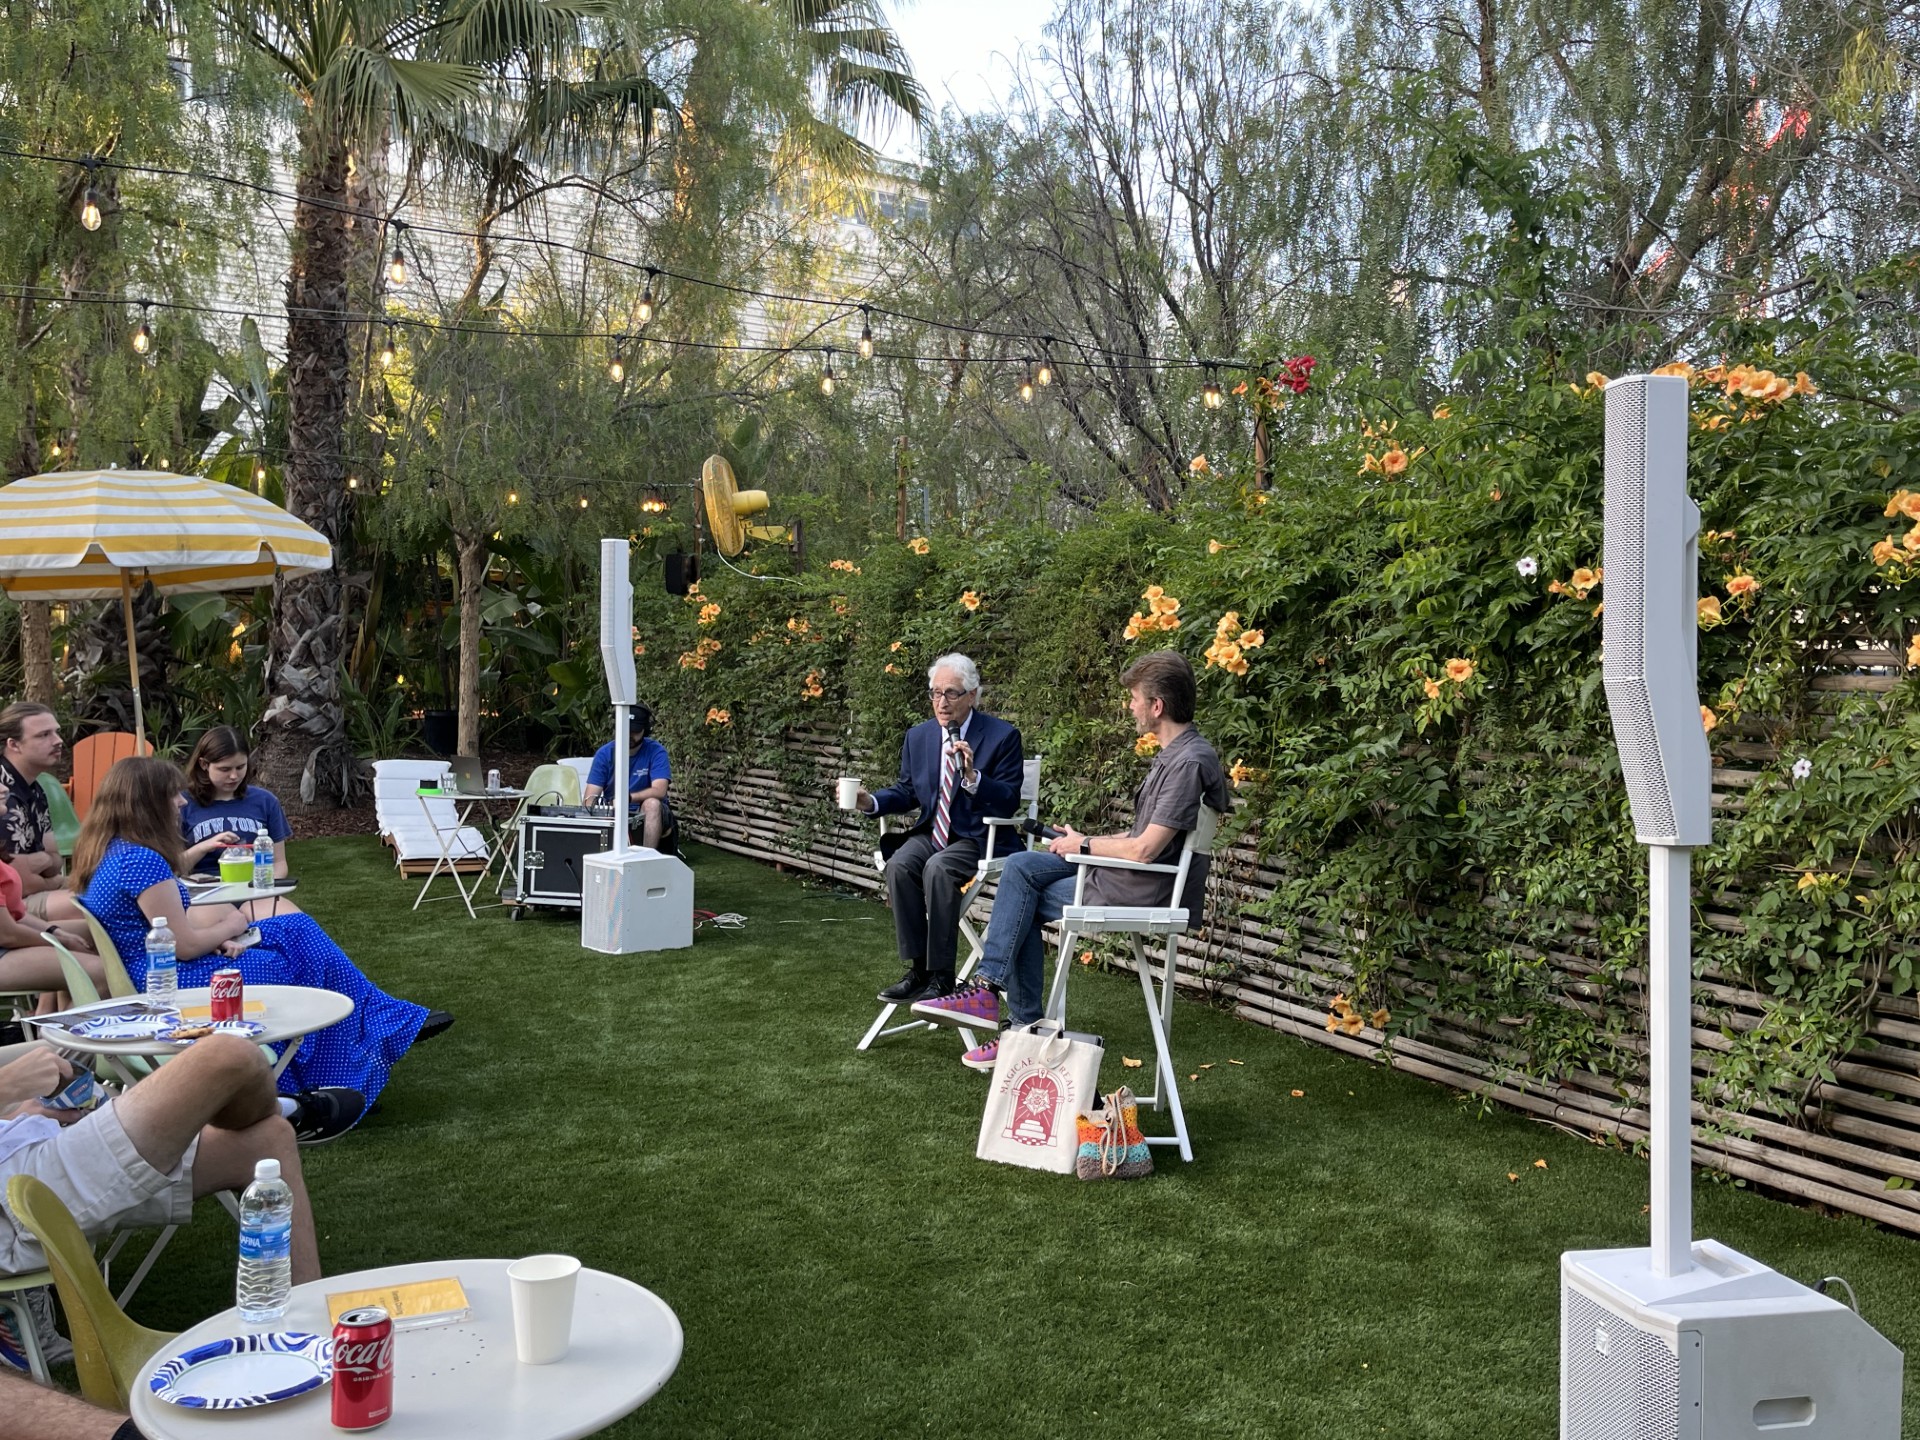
(266, 1246)
(262, 860)
(163, 974)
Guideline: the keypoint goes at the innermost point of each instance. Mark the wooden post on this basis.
(133, 657)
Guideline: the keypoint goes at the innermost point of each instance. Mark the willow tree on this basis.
(362, 72)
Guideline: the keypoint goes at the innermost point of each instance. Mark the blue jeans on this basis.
(1034, 888)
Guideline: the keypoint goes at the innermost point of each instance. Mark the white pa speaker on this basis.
(616, 622)
(1730, 1350)
(1651, 622)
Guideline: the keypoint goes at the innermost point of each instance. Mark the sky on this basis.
(963, 51)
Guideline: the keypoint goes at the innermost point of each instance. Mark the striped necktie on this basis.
(942, 814)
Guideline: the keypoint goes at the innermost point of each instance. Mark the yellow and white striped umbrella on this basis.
(78, 535)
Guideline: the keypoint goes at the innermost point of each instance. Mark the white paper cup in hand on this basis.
(849, 792)
(543, 1288)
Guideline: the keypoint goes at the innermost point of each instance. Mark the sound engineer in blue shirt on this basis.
(647, 775)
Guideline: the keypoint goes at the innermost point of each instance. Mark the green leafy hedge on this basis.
(1416, 721)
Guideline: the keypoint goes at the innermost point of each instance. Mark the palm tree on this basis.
(360, 71)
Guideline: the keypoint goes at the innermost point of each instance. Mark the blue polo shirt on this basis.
(649, 764)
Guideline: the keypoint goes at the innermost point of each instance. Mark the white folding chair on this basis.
(1080, 920)
(1003, 839)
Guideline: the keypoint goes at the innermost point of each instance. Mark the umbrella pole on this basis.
(133, 658)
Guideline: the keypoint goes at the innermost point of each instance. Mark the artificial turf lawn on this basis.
(1352, 1262)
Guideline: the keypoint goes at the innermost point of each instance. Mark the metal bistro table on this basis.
(237, 892)
(292, 1011)
(455, 1380)
(494, 845)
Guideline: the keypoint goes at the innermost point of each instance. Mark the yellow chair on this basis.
(108, 1348)
(119, 984)
(552, 785)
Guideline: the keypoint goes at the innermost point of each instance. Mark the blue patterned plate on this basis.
(124, 1027)
(242, 1372)
(245, 1029)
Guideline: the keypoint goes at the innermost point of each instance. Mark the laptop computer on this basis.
(468, 777)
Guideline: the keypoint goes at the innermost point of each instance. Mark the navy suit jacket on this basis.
(997, 758)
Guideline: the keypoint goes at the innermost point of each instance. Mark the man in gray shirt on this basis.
(1038, 884)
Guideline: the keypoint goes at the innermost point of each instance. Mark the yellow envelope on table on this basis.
(412, 1306)
(254, 1008)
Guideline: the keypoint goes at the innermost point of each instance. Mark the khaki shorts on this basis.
(37, 903)
(92, 1166)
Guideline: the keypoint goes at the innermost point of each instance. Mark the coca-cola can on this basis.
(226, 994)
(493, 779)
(363, 1369)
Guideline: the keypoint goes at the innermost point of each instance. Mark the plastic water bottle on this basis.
(266, 1246)
(163, 971)
(262, 860)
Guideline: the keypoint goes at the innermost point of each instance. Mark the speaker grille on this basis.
(1624, 622)
(1632, 1392)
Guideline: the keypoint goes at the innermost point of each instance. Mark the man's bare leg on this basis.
(651, 823)
(31, 1411)
(220, 1090)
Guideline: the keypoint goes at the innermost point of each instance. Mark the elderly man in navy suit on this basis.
(956, 769)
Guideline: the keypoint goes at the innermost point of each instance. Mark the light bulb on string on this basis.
(1026, 386)
(617, 367)
(1212, 396)
(866, 333)
(386, 349)
(513, 497)
(353, 482)
(826, 376)
(90, 209)
(397, 267)
(55, 451)
(1043, 376)
(259, 471)
(583, 502)
(143, 337)
(646, 297)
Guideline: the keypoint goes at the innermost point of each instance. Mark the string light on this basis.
(646, 296)
(513, 497)
(90, 203)
(583, 502)
(143, 337)
(866, 333)
(653, 503)
(397, 267)
(617, 367)
(386, 349)
(55, 452)
(826, 376)
(1026, 386)
(1043, 377)
(353, 482)
(1212, 396)
(259, 471)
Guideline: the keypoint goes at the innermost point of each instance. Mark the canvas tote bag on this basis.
(1042, 1079)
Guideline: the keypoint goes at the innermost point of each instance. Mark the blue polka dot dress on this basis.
(358, 1052)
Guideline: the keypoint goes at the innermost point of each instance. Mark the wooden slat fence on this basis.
(1862, 1128)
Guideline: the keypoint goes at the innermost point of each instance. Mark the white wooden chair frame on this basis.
(1003, 839)
(1080, 920)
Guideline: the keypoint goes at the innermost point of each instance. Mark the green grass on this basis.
(1354, 1262)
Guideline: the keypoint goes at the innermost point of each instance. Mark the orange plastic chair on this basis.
(93, 756)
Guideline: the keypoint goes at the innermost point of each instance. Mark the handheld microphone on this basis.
(1045, 832)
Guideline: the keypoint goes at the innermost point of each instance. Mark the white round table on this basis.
(291, 1012)
(456, 1380)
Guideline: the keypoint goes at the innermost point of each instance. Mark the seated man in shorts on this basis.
(648, 774)
(195, 1125)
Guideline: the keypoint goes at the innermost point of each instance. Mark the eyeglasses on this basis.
(948, 695)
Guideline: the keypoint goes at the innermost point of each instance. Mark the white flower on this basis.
(1527, 566)
(1802, 768)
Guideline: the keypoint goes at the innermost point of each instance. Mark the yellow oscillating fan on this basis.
(727, 509)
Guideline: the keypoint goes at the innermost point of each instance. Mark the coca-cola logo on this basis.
(364, 1357)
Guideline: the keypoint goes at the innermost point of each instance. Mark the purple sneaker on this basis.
(981, 1057)
(974, 1006)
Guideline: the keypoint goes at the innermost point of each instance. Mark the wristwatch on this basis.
(1086, 844)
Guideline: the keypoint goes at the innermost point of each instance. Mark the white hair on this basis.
(968, 672)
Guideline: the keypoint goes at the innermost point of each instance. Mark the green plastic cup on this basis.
(236, 866)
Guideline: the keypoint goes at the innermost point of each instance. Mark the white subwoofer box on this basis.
(1730, 1350)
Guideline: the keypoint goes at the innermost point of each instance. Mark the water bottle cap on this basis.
(266, 1170)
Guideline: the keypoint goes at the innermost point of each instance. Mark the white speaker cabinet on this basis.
(1651, 623)
(1730, 1350)
(636, 901)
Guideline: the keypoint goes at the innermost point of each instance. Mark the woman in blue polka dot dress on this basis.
(125, 861)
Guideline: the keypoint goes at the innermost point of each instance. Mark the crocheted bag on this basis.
(1111, 1145)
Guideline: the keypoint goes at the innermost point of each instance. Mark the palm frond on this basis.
(867, 93)
(486, 32)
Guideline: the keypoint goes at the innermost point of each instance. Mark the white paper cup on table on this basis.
(849, 792)
(543, 1288)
